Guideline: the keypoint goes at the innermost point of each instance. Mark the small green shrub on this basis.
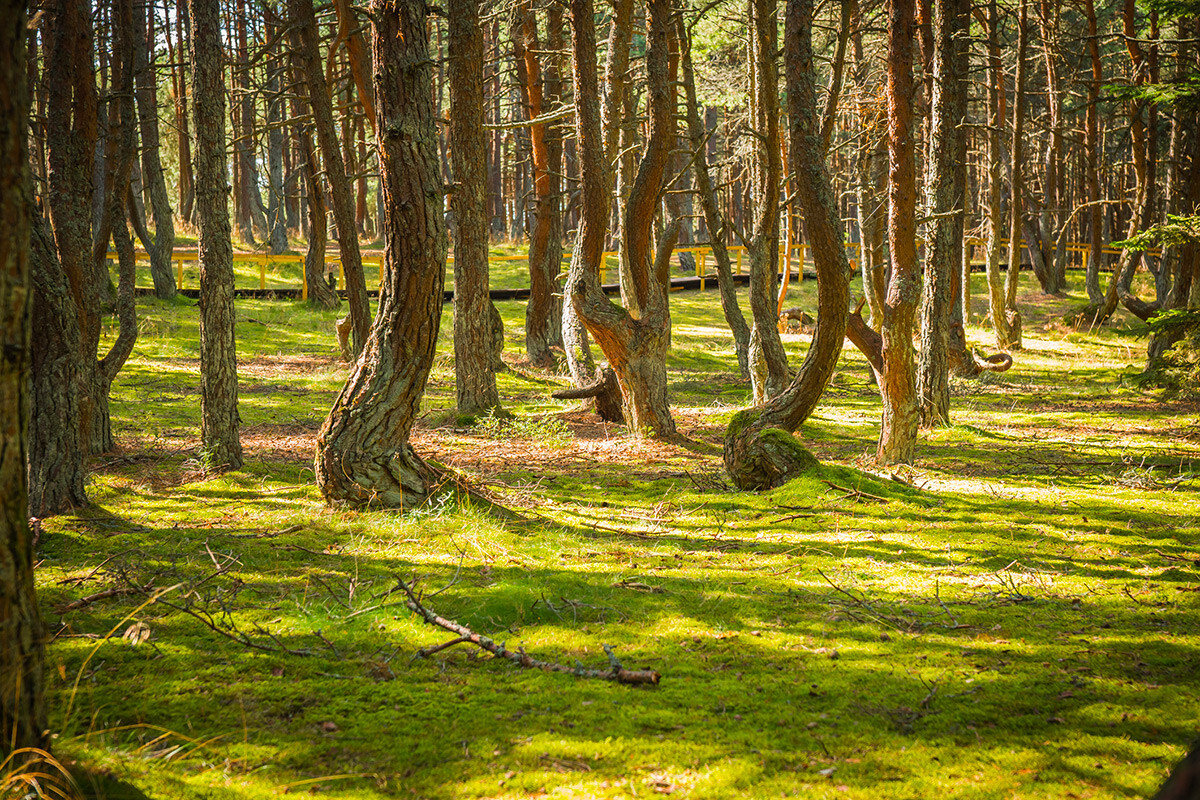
(546, 428)
(1178, 369)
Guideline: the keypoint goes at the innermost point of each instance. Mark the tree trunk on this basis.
(1016, 208)
(146, 78)
(71, 133)
(474, 376)
(360, 56)
(1006, 322)
(898, 437)
(713, 220)
(22, 711)
(121, 147)
(945, 193)
(304, 50)
(868, 164)
(56, 451)
(769, 371)
(635, 348)
(276, 200)
(320, 293)
(363, 455)
(543, 313)
(218, 356)
(1091, 146)
(760, 451)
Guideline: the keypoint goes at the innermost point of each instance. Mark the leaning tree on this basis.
(760, 450)
(363, 453)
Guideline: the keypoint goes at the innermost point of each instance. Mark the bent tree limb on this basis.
(760, 451)
(615, 672)
(606, 392)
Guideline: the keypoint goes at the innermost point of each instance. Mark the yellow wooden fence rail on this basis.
(700, 253)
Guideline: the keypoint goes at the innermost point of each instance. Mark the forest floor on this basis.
(1015, 616)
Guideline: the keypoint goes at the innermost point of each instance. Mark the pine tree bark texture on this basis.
(146, 79)
(22, 711)
(308, 58)
(218, 356)
(760, 451)
(121, 153)
(768, 360)
(945, 194)
(635, 348)
(1016, 184)
(474, 378)
(897, 381)
(713, 219)
(1005, 321)
(363, 454)
(56, 446)
(543, 313)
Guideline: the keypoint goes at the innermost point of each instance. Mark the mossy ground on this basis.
(1018, 619)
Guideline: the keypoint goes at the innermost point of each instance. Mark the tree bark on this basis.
(635, 348)
(22, 710)
(713, 219)
(898, 436)
(218, 355)
(1016, 208)
(146, 78)
(363, 454)
(276, 200)
(1091, 146)
(543, 313)
(769, 368)
(304, 50)
(1005, 322)
(474, 376)
(71, 133)
(56, 446)
(320, 293)
(945, 193)
(868, 162)
(121, 147)
(760, 451)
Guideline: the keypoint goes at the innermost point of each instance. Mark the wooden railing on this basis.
(789, 253)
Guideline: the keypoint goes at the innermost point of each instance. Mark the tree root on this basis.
(615, 672)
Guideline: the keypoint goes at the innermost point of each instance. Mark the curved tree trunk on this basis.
(636, 348)
(218, 355)
(945, 193)
(760, 451)
(713, 219)
(363, 455)
(146, 79)
(22, 711)
(474, 376)
(308, 59)
(114, 223)
(320, 293)
(768, 368)
(898, 436)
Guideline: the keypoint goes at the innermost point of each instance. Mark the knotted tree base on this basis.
(393, 479)
(762, 458)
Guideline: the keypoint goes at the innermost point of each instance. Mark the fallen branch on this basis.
(857, 494)
(84, 602)
(615, 672)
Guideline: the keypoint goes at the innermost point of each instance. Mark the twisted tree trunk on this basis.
(363, 454)
(760, 451)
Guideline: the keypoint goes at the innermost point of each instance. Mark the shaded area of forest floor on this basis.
(1014, 616)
